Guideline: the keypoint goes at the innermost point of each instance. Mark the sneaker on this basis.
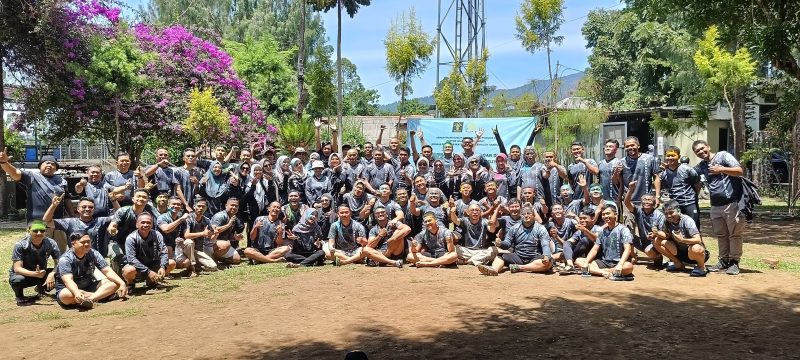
(292, 266)
(620, 278)
(482, 268)
(698, 272)
(733, 269)
(490, 271)
(86, 304)
(371, 263)
(720, 266)
(514, 268)
(398, 264)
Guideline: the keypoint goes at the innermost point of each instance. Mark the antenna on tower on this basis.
(468, 17)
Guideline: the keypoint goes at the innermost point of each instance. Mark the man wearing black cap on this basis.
(39, 187)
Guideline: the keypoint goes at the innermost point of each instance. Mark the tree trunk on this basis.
(339, 72)
(794, 173)
(3, 193)
(301, 55)
(117, 142)
(738, 115)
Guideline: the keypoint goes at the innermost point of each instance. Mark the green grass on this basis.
(47, 315)
(752, 258)
(123, 313)
(61, 325)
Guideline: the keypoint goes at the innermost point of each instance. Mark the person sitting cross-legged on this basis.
(434, 246)
(195, 252)
(346, 239)
(531, 247)
(76, 284)
(474, 245)
(386, 243)
(146, 254)
(268, 238)
(307, 243)
(611, 254)
(29, 263)
(683, 243)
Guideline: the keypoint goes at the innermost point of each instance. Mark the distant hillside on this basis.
(539, 87)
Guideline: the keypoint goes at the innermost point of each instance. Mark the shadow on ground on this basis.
(638, 326)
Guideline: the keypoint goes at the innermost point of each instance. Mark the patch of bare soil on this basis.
(435, 314)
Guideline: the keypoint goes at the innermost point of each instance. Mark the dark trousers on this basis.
(19, 283)
(306, 259)
(693, 211)
(577, 250)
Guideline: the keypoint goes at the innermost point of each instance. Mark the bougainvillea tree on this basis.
(123, 85)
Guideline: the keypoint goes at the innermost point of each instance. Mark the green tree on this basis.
(268, 72)
(636, 63)
(463, 95)
(352, 7)
(537, 23)
(413, 107)
(450, 93)
(322, 92)
(408, 52)
(726, 74)
(357, 99)
(116, 70)
(206, 117)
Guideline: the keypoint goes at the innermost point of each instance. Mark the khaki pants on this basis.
(476, 257)
(728, 224)
(184, 249)
(60, 237)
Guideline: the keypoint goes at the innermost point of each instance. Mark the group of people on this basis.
(380, 206)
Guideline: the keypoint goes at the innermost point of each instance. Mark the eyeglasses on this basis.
(38, 231)
(245, 168)
(190, 156)
(473, 162)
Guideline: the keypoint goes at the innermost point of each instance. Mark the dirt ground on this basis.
(433, 314)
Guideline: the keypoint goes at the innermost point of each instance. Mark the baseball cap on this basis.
(299, 150)
(317, 165)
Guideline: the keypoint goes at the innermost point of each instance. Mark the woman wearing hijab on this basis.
(337, 175)
(297, 181)
(438, 173)
(216, 187)
(455, 176)
(307, 245)
(281, 175)
(477, 176)
(504, 176)
(259, 192)
(326, 214)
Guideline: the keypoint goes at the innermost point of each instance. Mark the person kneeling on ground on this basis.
(611, 253)
(531, 244)
(307, 245)
(29, 263)
(268, 238)
(682, 244)
(434, 246)
(346, 239)
(474, 234)
(386, 242)
(648, 221)
(75, 280)
(146, 254)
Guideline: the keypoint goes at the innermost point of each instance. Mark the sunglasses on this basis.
(245, 168)
(38, 231)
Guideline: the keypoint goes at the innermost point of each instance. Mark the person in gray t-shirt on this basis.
(75, 281)
(722, 172)
(611, 254)
(642, 168)
(682, 243)
(434, 246)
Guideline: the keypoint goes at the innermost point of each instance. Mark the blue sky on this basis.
(509, 64)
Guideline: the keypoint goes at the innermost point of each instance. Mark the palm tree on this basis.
(351, 6)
